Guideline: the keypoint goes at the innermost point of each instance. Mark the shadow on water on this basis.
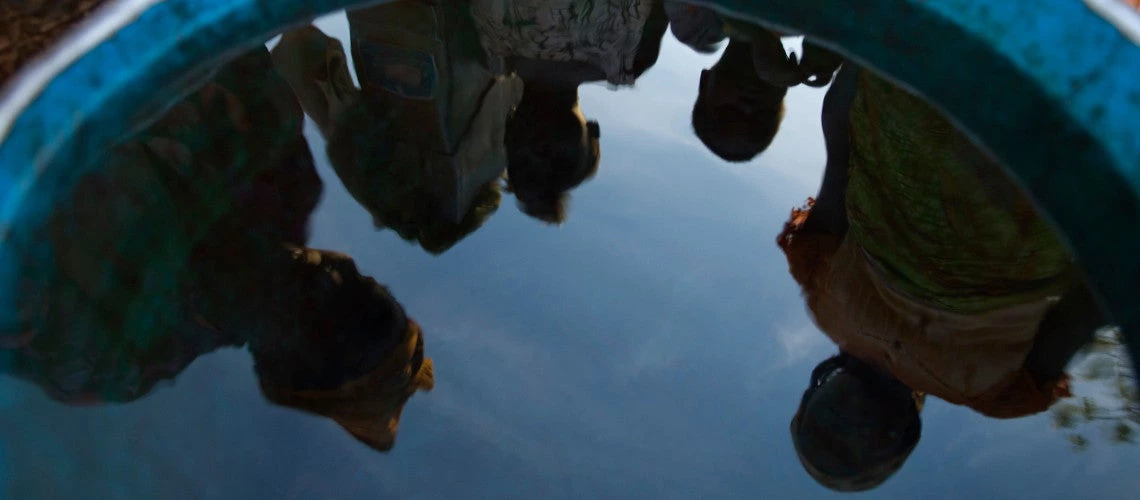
(638, 332)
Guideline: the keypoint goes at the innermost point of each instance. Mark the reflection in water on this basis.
(929, 269)
(740, 103)
(189, 239)
(420, 143)
(452, 94)
(934, 275)
(555, 46)
(738, 113)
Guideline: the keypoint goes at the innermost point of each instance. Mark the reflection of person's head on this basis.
(551, 149)
(855, 426)
(737, 114)
(395, 187)
(699, 28)
(352, 355)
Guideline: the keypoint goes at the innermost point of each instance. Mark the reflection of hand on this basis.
(818, 65)
(773, 64)
(316, 67)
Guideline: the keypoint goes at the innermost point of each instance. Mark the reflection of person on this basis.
(555, 46)
(551, 150)
(188, 239)
(934, 275)
(335, 343)
(740, 100)
(420, 144)
(699, 28)
(737, 113)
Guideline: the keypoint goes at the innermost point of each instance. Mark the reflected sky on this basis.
(652, 345)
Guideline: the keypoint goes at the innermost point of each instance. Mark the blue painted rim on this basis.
(1047, 86)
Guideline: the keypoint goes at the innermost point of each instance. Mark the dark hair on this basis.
(339, 322)
(548, 209)
(737, 137)
(543, 165)
(849, 476)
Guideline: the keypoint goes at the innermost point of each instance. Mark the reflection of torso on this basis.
(605, 34)
(974, 359)
(423, 60)
(941, 217)
(946, 271)
(165, 234)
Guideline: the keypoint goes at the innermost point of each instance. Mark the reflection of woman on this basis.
(188, 239)
(699, 28)
(934, 275)
(555, 46)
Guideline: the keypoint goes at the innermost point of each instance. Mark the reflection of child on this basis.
(737, 113)
(551, 149)
(740, 101)
(933, 273)
(555, 46)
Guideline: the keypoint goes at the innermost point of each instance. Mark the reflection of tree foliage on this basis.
(1111, 404)
(394, 183)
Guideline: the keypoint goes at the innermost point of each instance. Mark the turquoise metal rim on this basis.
(1049, 87)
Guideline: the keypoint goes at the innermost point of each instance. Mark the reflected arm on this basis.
(1067, 327)
(829, 213)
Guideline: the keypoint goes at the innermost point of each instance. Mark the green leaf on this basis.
(1089, 409)
(1065, 416)
(1123, 433)
(1079, 442)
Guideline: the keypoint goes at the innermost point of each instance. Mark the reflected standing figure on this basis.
(189, 237)
(420, 143)
(554, 46)
(737, 113)
(933, 273)
(740, 100)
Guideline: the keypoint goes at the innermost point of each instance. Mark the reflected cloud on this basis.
(651, 346)
(800, 343)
